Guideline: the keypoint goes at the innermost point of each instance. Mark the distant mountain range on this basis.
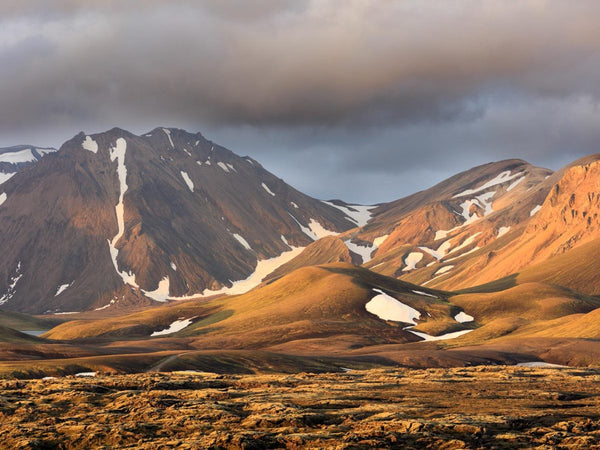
(170, 241)
(114, 220)
(16, 158)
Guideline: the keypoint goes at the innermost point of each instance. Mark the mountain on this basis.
(412, 238)
(16, 158)
(496, 264)
(557, 216)
(114, 220)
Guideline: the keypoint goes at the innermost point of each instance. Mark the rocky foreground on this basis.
(479, 407)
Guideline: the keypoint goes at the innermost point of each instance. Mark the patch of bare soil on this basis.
(480, 407)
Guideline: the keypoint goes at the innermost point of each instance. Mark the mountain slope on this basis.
(566, 219)
(413, 237)
(115, 219)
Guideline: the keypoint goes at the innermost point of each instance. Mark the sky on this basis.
(366, 101)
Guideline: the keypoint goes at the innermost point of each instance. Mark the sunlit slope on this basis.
(316, 301)
(566, 221)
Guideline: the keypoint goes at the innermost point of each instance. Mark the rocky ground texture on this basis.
(477, 407)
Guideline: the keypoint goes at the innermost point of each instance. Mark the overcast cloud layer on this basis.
(362, 100)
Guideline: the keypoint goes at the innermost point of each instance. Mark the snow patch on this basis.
(12, 284)
(319, 231)
(534, 211)
(501, 178)
(176, 326)
(428, 337)
(112, 302)
(364, 251)
(242, 241)
(161, 293)
(85, 374)
(173, 266)
(90, 145)
(359, 214)
(441, 251)
(263, 268)
(412, 260)
(223, 166)
(4, 177)
(387, 307)
(466, 243)
(474, 249)
(118, 153)
(3, 197)
(483, 201)
(502, 231)
(424, 293)
(168, 133)
(62, 288)
(444, 269)
(187, 180)
(380, 240)
(463, 317)
(541, 364)
(514, 185)
(266, 188)
(294, 205)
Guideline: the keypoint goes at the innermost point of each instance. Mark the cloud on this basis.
(314, 64)
(377, 83)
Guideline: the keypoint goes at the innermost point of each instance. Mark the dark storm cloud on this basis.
(370, 90)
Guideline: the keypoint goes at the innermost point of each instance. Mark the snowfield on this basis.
(21, 156)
